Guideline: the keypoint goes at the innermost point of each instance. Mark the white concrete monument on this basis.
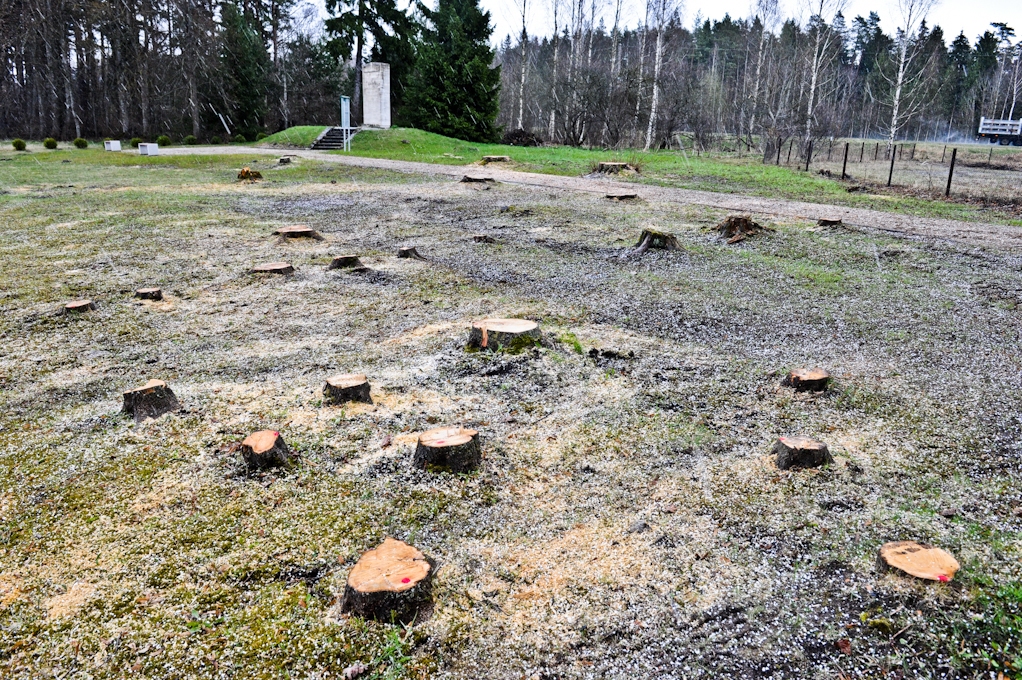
(376, 95)
(148, 149)
(112, 145)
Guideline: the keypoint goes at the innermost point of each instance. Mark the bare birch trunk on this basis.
(655, 101)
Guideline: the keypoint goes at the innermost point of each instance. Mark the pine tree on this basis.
(455, 90)
(246, 69)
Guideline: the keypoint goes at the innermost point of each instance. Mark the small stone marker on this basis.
(345, 262)
(151, 400)
(483, 238)
(495, 334)
(79, 306)
(390, 581)
(808, 380)
(801, 452)
(149, 294)
(613, 167)
(496, 159)
(453, 448)
(409, 252)
(298, 231)
(915, 559)
(829, 222)
(273, 268)
(340, 389)
(265, 449)
(477, 180)
(622, 197)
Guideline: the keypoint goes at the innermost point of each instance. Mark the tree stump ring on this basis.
(391, 581)
(149, 294)
(452, 448)
(79, 306)
(801, 452)
(299, 231)
(919, 560)
(273, 268)
(512, 335)
(409, 252)
(345, 262)
(340, 389)
(264, 450)
(151, 400)
(808, 380)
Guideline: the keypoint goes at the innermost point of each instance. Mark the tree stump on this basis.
(249, 174)
(273, 268)
(453, 448)
(345, 262)
(467, 179)
(393, 580)
(613, 167)
(409, 252)
(738, 227)
(149, 294)
(622, 197)
(801, 452)
(341, 389)
(829, 222)
(151, 400)
(652, 239)
(496, 159)
(808, 380)
(916, 559)
(483, 238)
(79, 306)
(509, 334)
(265, 449)
(299, 231)
(284, 160)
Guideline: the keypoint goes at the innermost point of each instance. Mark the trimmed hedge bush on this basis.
(163, 140)
(261, 136)
(240, 139)
(215, 139)
(135, 141)
(50, 143)
(81, 143)
(19, 144)
(190, 140)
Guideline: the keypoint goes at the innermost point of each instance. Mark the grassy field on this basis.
(300, 137)
(628, 520)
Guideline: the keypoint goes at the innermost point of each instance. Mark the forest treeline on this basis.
(82, 68)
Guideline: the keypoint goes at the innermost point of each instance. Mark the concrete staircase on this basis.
(332, 138)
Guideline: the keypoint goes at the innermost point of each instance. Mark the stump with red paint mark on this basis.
(512, 335)
(299, 231)
(79, 306)
(801, 452)
(265, 449)
(345, 262)
(409, 252)
(154, 294)
(273, 268)
(917, 559)
(391, 581)
(450, 448)
(151, 400)
(340, 389)
(808, 380)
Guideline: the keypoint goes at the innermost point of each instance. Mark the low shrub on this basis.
(521, 138)
(163, 140)
(240, 139)
(81, 143)
(19, 144)
(261, 136)
(190, 140)
(135, 141)
(215, 139)
(50, 143)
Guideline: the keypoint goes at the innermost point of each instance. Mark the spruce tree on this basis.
(454, 89)
(245, 72)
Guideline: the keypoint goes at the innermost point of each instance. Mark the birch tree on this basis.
(822, 45)
(912, 13)
(661, 12)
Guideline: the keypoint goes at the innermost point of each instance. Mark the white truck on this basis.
(1001, 131)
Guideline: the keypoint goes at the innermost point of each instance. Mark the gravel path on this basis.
(975, 233)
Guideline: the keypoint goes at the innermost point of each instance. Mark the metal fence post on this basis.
(950, 172)
(890, 174)
(809, 155)
(844, 165)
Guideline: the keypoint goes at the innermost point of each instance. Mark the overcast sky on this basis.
(971, 16)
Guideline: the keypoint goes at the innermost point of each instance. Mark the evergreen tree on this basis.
(246, 69)
(454, 91)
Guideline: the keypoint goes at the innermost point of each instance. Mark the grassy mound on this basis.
(300, 136)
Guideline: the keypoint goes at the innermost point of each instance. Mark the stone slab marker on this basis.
(376, 95)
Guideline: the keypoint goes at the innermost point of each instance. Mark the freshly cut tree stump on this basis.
(151, 400)
(299, 231)
(284, 160)
(149, 294)
(737, 227)
(409, 252)
(511, 334)
(249, 174)
(452, 448)
(916, 559)
(467, 179)
(79, 306)
(622, 197)
(800, 452)
(829, 222)
(273, 268)
(496, 159)
(393, 580)
(341, 389)
(265, 449)
(483, 238)
(613, 167)
(808, 380)
(345, 262)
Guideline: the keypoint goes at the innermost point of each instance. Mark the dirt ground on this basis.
(628, 520)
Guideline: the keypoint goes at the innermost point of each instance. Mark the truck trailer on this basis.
(1001, 131)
